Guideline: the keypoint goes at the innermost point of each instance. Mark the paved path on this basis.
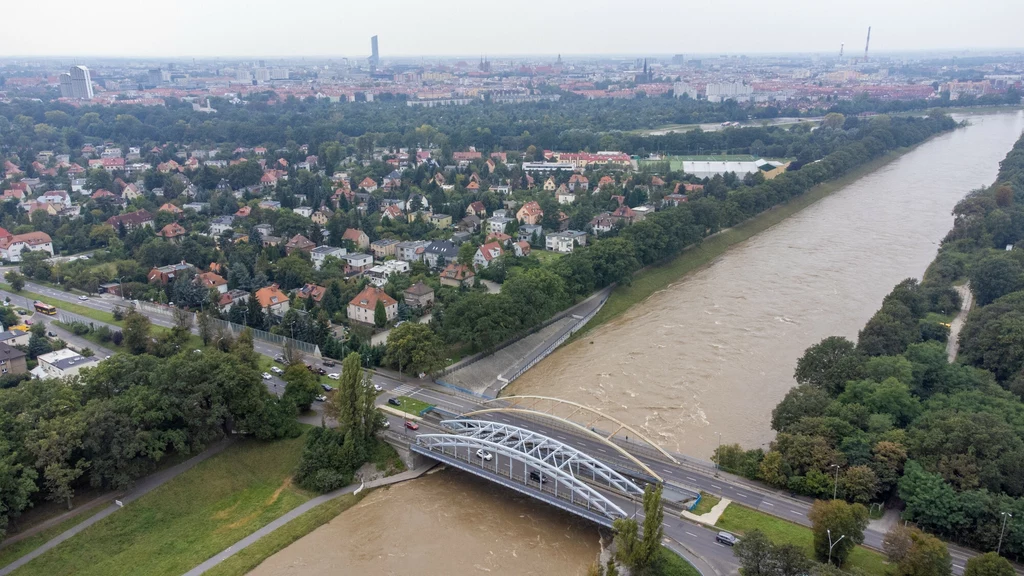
(967, 298)
(19, 536)
(302, 509)
(143, 487)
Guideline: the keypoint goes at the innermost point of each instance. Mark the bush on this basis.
(80, 328)
(117, 338)
(104, 334)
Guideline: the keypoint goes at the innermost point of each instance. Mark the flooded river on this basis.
(712, 354)
(447, 523)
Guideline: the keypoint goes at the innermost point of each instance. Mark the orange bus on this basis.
(45, 308)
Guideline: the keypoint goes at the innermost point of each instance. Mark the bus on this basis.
(45, 308)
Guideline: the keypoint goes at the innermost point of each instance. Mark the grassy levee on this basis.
(14, 551)
(188, 519)
(251, 557)
(657, 277)
(740, 519)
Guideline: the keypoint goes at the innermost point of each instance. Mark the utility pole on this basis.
(1005, 516)
(719, 463)
(832, 544)
(835, 486)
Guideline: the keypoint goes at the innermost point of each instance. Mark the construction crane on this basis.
(866, 44)
(841, 46)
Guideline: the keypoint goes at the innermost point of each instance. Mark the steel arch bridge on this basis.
(517, 452)
(547, 407)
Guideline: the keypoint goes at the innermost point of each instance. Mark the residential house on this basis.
(168, 274)
(363, 307)
(273, 300)
(521, 248)
(171, 208)
(392, 212)
(299, 243)
(674, 199)
(486, 254)
(380, 273)
(549, 184)
(603, 223)
(212, 281)
(564, 196)
(498, 224)
(439, 253)
(304, 211)
(476, 209)
(578, 183)
(605, 181)
(470, 223)
(269, 205)
(221, 224)
(565, 241)
(264, 229)
(322, 216)
(12, 360)
(15, 337)
(244, 212)
(411, 251)
(131, 192)
(311, 291)
(457, 275)
(63, 363)
(357, 263)
(12, 245)
(58, 198)
(231, 298)
(131, 220)
(384, 247)
(419, 295)
(531, 233)
(357, 237)
(530, 213)
(441, 220)
(320, 253)
(368, 184)
(271, 240)
(172, 232)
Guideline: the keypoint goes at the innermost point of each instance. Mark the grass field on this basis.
(654, 278)
(188, 519)
(670, 564)
(265, 547)
(707, 502)
(11, 553)
(740, 519)
(412, 405)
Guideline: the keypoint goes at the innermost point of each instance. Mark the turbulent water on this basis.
(444, 524)
(706, 359)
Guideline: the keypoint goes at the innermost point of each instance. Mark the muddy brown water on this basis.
(713, 353)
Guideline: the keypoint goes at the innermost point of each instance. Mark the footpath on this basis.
(302, 509)
(966, 299)
(143, 487)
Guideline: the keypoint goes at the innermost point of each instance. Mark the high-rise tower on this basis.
(374, 54)
(81, 83)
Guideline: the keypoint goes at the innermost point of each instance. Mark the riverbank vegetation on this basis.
(889, 419)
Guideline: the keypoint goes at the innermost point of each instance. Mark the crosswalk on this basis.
(405, 390)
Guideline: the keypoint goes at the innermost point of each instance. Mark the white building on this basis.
(680, 89)
(380, 273)
(81, 83)
(723, 91)
(320, 253)
(565, 241)
(63, 363)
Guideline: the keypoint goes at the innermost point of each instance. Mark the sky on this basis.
(268, 28)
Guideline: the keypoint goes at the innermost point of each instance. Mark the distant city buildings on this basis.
(76, 84)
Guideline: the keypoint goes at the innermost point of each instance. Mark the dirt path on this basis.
(953, 345)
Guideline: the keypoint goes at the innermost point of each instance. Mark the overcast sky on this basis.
(448, 27)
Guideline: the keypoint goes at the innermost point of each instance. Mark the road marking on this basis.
(692, 534)
(795, 512)
(602, 450)
(691, 479)
(768, 504)
(665, 524)
(666, 470)
(958, 566)
(741, 494)
(716, 486)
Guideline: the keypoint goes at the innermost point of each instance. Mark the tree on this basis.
(760, 557)
(859, 484)
(897, 543)
(770, 469)
(841, 520)
(800, 402)
(136, 332)
(16, 280)
(654, 530)
(300, 386)
(416, 348)
(380, 315)
(928, 556)
(628, 547)
(989, 564)
(466, 253)
(828, 365)
(995, 276)
(206, 327)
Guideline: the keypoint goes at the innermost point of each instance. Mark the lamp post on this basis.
(832, 544)
(835, 486)
(1005, 515)
(719, 462)
(120, 286)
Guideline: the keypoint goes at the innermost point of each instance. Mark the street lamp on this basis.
(1005, 515)
(832, 544)
(719, 462)
(835, 487)
(120, 286)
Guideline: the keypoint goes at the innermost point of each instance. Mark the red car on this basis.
(412, 425)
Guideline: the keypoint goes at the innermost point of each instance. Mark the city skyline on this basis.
(650, 27)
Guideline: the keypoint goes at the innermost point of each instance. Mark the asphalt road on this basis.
(689, 474)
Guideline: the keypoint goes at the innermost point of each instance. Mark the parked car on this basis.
(51, 334)
(386, 425)
(412, 425)
(321, 371)
(267, 376)
(330, 363)
(279, 359)
(334, 376)
(483, 455)
(321, 398)
(83, 297)
(276, 370)
(537, 477)
(326, 387)
(726, 538)
(378, 388)
(394, 401)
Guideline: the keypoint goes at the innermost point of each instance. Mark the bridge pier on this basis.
(400, 443)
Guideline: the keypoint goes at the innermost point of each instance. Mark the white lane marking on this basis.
(768, 504)
(716, 486)
(958, 566)
(602, 450)
(741, 494)
(692, 534)
(691, 479)
(665, 524)
(666, 470)
(795, 512)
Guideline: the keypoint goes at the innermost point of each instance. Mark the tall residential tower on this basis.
(374, 54)
(81, 83)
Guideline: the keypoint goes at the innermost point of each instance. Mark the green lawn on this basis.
(655, 278)
(671, 564)
(279, 539)
(11, 553)
(412, 405)
(100, 315)
(187, 520)
(739, 519)
(546, 257)
(707, 502)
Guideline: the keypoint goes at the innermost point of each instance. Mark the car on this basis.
(83, 297)
(378, 388)
(321, 371)
(276, 370)
(330, 363)
(326, 387)
(267, 376)
(321, 398)
(334, 376)
(536, 477)
(386, 425)
(726, 538)
(394, 401)
(279, 359)
(483, 455)
(399, 323)
(51, 334)
(28, 322)
(412, 425)
(83, 257)
(197, 351)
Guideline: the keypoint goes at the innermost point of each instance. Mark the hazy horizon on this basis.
(211, 29)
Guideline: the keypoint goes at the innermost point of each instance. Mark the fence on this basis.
(262, 335)
(66, 318)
